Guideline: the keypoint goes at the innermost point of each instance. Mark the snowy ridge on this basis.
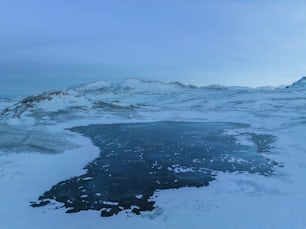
(130, 85)
(29, 102)
(300, 84)
(137, 97)
(6, 102)
(93, 86)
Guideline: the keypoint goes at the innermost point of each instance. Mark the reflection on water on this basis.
(137, 159)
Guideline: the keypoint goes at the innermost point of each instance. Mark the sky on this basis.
(53, 44)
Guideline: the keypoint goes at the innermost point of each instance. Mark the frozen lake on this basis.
(136, 160)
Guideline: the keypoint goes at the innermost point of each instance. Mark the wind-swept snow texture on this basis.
(39, 152)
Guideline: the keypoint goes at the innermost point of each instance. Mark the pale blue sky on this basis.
(47, 44)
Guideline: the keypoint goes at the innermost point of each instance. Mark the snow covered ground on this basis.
(232, 201)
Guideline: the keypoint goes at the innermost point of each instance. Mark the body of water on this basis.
(137, 159)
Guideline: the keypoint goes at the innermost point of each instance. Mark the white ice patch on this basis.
(180, 169)
(244, 140)
(87, 178)
(110, 203)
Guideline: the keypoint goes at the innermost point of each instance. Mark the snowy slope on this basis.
(37, 124)
(150, 98)
(6, 102)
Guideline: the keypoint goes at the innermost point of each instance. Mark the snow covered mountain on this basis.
(96, 96)
(299, 85)
(145, 98)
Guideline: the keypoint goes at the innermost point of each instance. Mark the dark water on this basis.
(137, 159)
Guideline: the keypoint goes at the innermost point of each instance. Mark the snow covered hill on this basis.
(150, 99)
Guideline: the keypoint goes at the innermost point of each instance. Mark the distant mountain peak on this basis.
(301, 83)
(130, 85)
